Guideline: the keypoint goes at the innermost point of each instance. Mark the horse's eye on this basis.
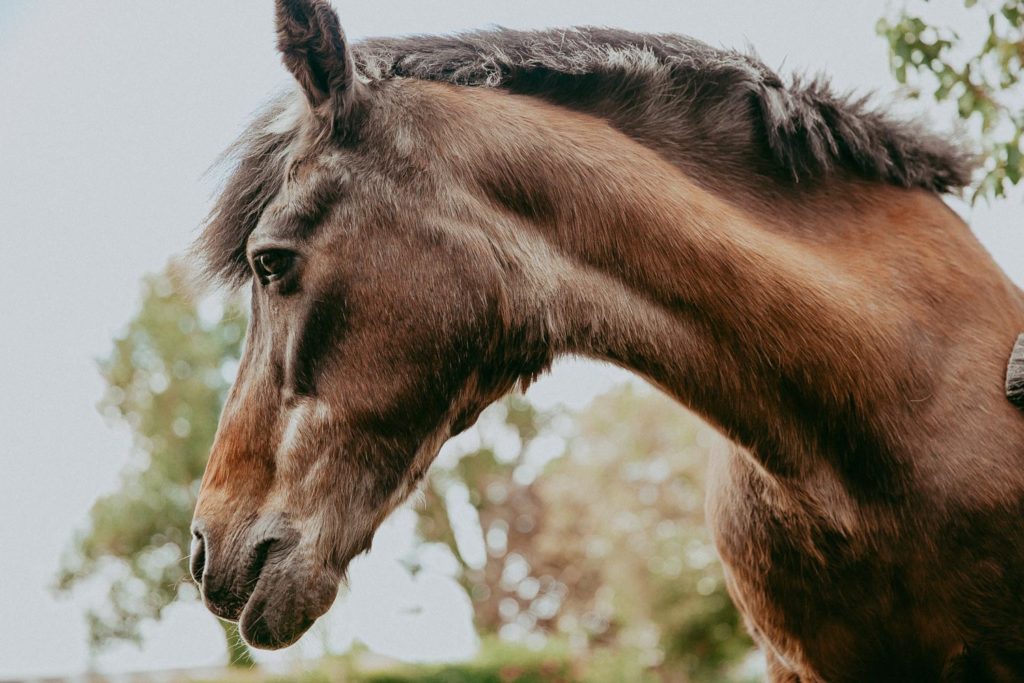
(273, 264)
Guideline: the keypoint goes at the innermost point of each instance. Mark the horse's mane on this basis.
(722, 104)
(690, 101)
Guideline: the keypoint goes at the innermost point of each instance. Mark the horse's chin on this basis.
(288, 599)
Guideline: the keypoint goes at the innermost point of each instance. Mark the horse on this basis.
(428, 222)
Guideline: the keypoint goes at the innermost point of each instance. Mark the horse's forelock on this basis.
(255, 165)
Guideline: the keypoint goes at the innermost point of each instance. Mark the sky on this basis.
(110, 116)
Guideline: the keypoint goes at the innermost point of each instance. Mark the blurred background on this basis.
(560, 539)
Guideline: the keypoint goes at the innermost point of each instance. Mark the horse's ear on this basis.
(314, 49)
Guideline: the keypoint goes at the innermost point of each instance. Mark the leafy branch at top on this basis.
(984, 82)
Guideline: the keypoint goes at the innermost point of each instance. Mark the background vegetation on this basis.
(978, 68)
(167, 377)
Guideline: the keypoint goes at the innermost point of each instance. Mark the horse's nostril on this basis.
(227, 576)
(259, 558)
(198, 553)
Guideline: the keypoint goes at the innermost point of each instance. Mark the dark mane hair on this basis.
(688, 100)
(662, 85)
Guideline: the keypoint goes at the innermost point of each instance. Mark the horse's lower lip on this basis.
(285, 602)
(258, 632)
(254, 623)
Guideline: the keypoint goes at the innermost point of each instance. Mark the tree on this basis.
(594, 532)
(167, 378)
(984, 82)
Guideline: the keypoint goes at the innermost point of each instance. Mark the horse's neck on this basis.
(755, 329)
(823, 330)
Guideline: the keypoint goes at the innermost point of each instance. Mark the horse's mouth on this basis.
(290, 594)
(269, 630)
(276, 598)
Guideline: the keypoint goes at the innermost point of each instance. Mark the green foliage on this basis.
(166, 380)
(608, 549)
(497, 663)
(662, 590)
(984, 82)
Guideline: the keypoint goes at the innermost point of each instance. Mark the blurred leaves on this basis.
(167, 378)
(607, 549)
(983, 81)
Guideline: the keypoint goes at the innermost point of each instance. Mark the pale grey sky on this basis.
(110, 114)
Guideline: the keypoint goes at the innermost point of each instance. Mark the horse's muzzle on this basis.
(262, 578)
